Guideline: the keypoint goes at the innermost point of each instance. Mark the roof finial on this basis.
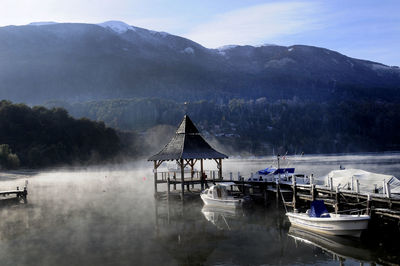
(186, 104)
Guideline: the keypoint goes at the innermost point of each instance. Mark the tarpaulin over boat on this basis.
(367, 180)
(318, 209)
(275, 171)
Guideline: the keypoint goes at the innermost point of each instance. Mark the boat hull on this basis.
(346, 225)
(224, 203)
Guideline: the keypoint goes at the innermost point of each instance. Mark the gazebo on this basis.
(187, 147)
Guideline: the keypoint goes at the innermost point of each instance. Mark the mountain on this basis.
(83, 62)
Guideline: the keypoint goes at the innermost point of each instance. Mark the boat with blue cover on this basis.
(279, 175)
(319, 220)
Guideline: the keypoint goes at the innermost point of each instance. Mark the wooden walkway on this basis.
(294, 195)
(22, 194)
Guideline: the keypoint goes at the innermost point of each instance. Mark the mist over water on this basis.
(108, 216)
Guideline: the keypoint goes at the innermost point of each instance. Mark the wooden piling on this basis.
(294, 192)
(168, 188)
(202, 175)
(387, 188)
(182, 179)
(369, 204)
(313, 192)
(175, 180)
(337, 199)
(155, 178)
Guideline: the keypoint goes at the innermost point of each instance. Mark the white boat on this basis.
(223, 195)
(279, 175)
(320, 221)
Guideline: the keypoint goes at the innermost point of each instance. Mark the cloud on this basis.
(257, 24)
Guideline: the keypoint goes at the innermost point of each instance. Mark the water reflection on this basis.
(340, 247)
(223, 219)
(109, 217)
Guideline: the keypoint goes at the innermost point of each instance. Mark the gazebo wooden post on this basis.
(201, 174)
(220, 169)
(155, 178)
(182, 178)
(192, 172)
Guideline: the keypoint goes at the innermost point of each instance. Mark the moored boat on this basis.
(319, 220)
(220, 196)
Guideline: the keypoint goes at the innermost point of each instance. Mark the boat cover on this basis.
(318, 208)
(275, 171)
(367, 180)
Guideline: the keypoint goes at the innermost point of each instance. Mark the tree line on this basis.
(260, 126)
(40, 137)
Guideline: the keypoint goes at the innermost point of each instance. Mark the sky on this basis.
(365, 29)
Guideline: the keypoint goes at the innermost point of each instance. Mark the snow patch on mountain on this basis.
(117, 26)
(277, 63)
(226, 47)
(161, 33)
(42, 23)
(188, 50)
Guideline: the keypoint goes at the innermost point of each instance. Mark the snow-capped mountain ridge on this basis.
(117, 26)
(81, 61)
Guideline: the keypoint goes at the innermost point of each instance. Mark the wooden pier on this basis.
(19, 194)
(188, 147)
(294, 195)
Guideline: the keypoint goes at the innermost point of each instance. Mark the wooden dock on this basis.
(293, 195)
(19, 194)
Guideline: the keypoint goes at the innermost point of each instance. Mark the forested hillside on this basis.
(258, 126)
(38, 137)
(84, 62)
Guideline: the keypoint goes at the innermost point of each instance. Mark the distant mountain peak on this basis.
(117, 26)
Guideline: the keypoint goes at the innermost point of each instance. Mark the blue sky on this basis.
(367, 29)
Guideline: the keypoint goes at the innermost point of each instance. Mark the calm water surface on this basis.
(108, 216)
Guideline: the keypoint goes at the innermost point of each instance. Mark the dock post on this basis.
(331, 183)
(352, 183)
(311, 179)
(174, 180)
(369, 204)
(251, 176)
(182, 179)
(313, 192)
(387, 188)
(168, 189)
(358, 186)
(192, 173)
(202, 175)
(294, 192)
(384, 187)
(220, 169)
(337, 200)
(155, 178)
(238, 176)
(231, 176)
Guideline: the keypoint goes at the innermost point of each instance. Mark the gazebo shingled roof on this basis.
(187, 144)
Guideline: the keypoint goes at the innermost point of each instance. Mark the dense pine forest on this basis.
(40, 137)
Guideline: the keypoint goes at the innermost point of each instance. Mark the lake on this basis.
(108, 216)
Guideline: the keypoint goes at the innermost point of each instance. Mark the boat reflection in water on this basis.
(223, 218)
(340, 247)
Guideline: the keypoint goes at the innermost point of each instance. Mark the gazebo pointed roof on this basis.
(187, 144)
